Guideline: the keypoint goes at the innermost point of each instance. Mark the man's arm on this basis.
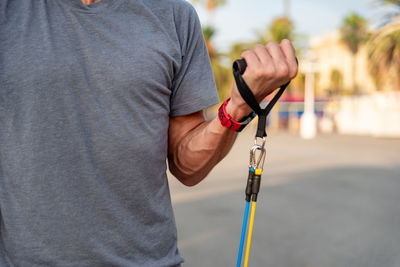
(196, 146)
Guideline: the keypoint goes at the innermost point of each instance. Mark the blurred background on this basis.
(330, 193)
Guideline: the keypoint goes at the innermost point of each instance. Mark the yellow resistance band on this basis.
(253, 208)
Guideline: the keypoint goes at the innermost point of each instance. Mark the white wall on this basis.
(377, 114)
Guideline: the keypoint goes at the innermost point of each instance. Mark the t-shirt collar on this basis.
(92, 8)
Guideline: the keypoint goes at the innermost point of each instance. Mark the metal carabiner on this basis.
(261, 159)
(260, 146)
(254, 161)
(253, 152)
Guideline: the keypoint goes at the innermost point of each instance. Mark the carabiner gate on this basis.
(257, 163)
(261, 160)
(253, 159)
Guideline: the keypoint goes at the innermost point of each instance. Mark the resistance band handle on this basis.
(239, 67)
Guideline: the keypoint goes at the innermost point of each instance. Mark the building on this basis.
(335, 66)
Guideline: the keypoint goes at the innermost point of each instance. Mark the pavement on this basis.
(328, 202)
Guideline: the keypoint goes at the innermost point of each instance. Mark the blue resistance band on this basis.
(245, 219)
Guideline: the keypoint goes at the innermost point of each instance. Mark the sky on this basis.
(238, 20)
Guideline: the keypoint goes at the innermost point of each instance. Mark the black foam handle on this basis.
(240, 65)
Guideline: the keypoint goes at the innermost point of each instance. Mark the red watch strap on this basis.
(226, 119)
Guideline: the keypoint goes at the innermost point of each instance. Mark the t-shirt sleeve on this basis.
(193, 87)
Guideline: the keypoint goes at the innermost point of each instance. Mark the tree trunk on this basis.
(354, 73)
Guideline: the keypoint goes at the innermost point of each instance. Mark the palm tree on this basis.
(391, 2)
(384, 56)
(208, 33)
(280, 28)
(384, 50)
(238, 48)
(221, 73)
(395, 3)
(354, 33)
(389, 16)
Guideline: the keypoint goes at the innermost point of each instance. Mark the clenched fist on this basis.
(268, 68)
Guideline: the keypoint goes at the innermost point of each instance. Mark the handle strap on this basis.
(239, 66)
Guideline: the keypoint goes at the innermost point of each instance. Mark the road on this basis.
(329, 202)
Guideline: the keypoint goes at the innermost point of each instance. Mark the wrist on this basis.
(237, 110)
(228, 121)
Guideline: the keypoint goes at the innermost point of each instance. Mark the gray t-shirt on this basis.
(86, 94)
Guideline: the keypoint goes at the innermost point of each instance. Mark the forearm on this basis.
(202, 148)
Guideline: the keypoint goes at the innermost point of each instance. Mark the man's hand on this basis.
(268, 68)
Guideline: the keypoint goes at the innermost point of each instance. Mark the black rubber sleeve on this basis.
(255, 188)
(249, 185)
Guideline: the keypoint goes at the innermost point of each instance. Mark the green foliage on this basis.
(391, 2)
(238, 48)
(208, 32)
(354, 31)
(389, 16)
(281, 28)
(223, 79)
(384, 56)
(384, 51)
(221, 72)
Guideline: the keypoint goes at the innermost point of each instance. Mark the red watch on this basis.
(227, 121)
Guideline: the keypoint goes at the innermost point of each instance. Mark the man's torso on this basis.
(84, 109)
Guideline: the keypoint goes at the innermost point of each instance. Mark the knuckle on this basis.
(271, 44)
(286, 42)
(258, 73)
(259, 47)
(265, 72)
(245, 54)
(283, 71)
(270, 72)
